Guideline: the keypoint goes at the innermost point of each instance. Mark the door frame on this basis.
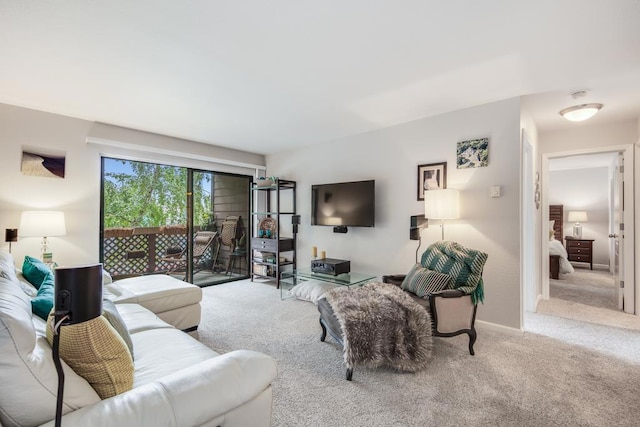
(631, 284)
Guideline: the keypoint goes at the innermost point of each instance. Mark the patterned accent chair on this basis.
(453, 307)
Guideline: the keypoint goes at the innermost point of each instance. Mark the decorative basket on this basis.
(266, 182)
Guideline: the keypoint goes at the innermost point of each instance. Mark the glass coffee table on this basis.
(288, 279)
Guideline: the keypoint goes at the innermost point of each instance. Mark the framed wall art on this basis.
(40, 164)
(473, 153)
(431, 177)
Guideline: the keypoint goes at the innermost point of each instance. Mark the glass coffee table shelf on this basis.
(290, 278)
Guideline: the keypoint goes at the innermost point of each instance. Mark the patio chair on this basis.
(201, 242)
(230, 232)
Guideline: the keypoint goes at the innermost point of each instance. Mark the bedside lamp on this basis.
(78, 298)
(441, 204)
(577, 217)
(42, 224)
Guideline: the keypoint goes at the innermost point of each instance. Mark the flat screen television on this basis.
(344, 204)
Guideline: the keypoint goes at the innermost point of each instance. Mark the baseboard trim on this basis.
(499, 328)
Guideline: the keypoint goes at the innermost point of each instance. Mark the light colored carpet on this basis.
(588, 296)
(523, 380)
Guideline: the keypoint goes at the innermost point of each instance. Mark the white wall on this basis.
(584, 136)
(78, 194)
(533, 284)
(585, 190)
(391, 156)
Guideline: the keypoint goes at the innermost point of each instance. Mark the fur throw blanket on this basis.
(382, 325)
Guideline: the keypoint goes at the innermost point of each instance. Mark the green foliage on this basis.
(138, 194)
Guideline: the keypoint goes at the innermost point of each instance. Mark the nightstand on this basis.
(580, 250)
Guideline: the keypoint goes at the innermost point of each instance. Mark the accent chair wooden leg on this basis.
(349, 374)
(472, 340)
(324, 331)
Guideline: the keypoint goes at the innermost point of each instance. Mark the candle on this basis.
(314, 251)
(323, 255)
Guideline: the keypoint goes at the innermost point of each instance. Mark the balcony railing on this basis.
(138, 251)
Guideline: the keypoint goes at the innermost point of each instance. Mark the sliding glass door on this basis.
(160, 219)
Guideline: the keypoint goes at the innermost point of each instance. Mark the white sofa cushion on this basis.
(156, 292)
(178, 351)
(137, 318)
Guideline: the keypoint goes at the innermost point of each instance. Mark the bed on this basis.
(558, 262)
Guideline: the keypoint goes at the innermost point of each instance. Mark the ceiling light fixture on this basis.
(578, 113)
(581, 112)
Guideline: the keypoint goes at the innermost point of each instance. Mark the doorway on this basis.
(584, 185)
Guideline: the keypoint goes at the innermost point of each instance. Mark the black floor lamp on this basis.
(78, 298)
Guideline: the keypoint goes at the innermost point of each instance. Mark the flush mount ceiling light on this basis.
(578, 113)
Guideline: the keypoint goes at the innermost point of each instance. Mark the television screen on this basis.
(347, 204)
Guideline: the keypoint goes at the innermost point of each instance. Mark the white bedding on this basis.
(556, 248)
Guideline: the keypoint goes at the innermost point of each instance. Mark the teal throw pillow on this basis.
(423, 282)
(43, 301)
(110, 312)
(34, 271)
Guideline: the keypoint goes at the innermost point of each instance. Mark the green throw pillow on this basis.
(110, 312)
(34, 271)
(423, 282)
(43, 301)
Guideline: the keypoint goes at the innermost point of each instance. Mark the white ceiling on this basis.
(265, 76)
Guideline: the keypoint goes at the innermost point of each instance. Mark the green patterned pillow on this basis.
(424, 282)
(464, 265)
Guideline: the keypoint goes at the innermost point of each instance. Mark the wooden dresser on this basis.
(580, 250)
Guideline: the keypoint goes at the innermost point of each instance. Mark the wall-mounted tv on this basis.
(344, 204)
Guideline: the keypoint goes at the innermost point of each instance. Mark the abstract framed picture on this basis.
(35, 164)
(473, 153)
(431, 177)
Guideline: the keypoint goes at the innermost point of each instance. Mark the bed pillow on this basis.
(423, 282)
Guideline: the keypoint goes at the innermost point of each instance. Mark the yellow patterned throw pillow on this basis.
(96, 352)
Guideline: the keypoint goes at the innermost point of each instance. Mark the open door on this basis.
(618, 230)
(624, 235)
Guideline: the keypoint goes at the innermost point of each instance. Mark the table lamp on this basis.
(43, 224)
(441, 204)
(577, 217)
(78, 298)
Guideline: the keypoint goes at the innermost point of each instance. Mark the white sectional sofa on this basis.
(177, 380)
(172, 300)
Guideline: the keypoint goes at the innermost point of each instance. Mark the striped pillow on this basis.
(424, 282)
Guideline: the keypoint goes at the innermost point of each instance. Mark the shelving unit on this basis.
(271, 199)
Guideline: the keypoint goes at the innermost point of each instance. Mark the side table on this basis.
(291, 278)
(580, 250)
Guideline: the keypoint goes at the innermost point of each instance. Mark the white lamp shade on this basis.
(441, 204)
(578, 216)
(42, 224)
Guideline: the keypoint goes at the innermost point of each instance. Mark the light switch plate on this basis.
(495, 191)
